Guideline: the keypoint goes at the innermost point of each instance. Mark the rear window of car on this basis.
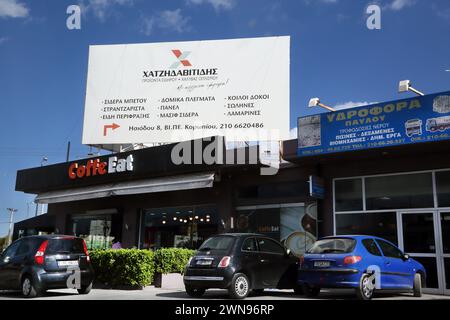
(62, 246)
(335, 245)
(217, 243)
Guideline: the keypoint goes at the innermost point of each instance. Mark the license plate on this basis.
(204, 262)
(321, 264)
(69, 263)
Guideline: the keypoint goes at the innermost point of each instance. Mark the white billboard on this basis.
(169, 92)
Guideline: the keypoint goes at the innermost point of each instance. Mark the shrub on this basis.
(123, 267)
(172, 260)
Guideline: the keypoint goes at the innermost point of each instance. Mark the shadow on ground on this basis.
(267, 295)
(18, 294)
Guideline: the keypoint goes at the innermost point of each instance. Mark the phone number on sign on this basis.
(241, 125)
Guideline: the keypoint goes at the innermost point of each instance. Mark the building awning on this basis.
(172, 183)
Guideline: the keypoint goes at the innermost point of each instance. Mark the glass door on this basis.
(417, 237)
(445, 249)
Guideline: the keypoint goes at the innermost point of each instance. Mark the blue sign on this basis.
(413, 120)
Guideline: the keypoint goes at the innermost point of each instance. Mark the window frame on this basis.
(270, 240)
(15, 243)
(402, 254)
(376, 246)
(254, 242)
(364, 211)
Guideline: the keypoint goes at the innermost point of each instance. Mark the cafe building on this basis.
(380, 170)
(142, 199)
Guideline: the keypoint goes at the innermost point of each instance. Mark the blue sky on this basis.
(43, 65)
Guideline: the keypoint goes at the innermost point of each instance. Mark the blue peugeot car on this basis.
(365, 263)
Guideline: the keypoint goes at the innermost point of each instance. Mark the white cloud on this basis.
(101, 9)
(397, 5)
(351, 104)
(168, 20)
(13, 9)
(443, 13)
(217, 4)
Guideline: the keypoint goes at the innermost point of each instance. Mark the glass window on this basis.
(443, 188)
(371, 247)
(389, 250)
(24, 248)
(399, 191)
(222, 243)
(249, 245)
(418, 232)
(334, 245)
(348, 195)
(430, 266)
(383, 225)
(298, 227)
(74, 245)
(270, 246)
(99, 231)
(445, 227)
(10, 252)
(180, 227)
(447, 273)
(264, 221)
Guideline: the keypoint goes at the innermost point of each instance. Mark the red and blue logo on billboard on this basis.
(181, 56)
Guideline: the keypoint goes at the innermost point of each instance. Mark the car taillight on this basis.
(39, 255)
(224, 262)
(86, 252)
(352, 259)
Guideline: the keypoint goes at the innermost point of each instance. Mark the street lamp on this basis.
(10, 231)
(314, 102)
(405, 86)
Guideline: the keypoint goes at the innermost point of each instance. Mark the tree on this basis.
(3, 242)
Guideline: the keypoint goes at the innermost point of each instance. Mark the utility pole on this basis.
(10, 231)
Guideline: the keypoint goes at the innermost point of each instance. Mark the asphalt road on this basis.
(152, 293)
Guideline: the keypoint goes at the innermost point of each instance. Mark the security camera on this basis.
(314, 102)
(404, 85)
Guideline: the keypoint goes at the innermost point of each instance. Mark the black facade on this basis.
(239, 199)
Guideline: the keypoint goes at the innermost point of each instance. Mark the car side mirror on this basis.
(406, 257)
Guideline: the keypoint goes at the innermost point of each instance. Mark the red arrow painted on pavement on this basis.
(113, 126)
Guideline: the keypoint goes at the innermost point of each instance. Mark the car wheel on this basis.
(85, 289)
(417, 288)
(366, 287)
(240, 286)
(311, 291)
(29, 290)
(194, 292)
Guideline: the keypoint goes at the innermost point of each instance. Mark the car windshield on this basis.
(335, 245)
(217, 243)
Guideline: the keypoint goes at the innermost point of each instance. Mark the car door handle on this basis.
(262, 260)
